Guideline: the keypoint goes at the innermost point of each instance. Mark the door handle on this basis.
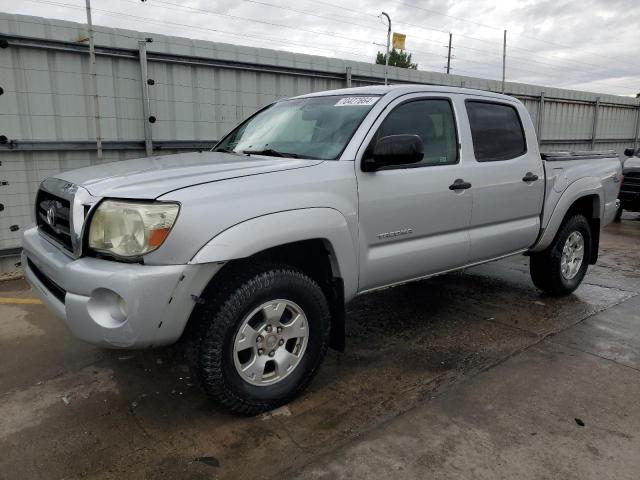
(459, 184)
(530, 177)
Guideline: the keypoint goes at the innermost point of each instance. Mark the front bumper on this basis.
(112, 304)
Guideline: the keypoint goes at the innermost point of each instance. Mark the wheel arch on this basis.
(580, 198)
(317, 241)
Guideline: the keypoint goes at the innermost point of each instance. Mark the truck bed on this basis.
(572, 174)
(577, 155)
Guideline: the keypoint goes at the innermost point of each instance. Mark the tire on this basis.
(546, 267)
(215, 349)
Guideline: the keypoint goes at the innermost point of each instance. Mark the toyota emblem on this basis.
(51, 215)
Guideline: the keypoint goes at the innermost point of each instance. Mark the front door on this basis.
(411, 223)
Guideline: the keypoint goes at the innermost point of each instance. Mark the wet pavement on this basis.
(562, 409)
(467, 360)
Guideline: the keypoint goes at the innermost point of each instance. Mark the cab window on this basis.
(496, 131)
(433, 121)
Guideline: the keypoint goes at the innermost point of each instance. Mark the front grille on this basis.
(630, 189)
(55, 289)
(53, 215)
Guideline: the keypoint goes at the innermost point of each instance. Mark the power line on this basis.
(288, 42)
(327, 48)
(332, 34)
(327, 33)
(473, 22)
(493, 43)
(319, 16)
(264, 22)
(563, 77)
(406, 5)
(423, 28)
(169, 6)
(304, 12)
(223, 32)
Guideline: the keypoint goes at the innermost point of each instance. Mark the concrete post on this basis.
(348, 76)
(148, 143)
(504, 59)
(637, 137)
(386, 60)
(594, 130)
(94, 80)
(540, 118)
(448, 68)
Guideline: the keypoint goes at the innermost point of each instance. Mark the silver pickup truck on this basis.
(250, 251)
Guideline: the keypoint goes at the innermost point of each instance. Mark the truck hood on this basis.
(154, 176)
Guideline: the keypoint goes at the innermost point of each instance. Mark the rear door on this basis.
(508, 178)
(411, 223)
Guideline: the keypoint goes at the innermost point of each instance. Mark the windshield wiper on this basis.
(270, 152)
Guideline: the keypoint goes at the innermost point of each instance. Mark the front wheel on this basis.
(261, 342)
(560, 268)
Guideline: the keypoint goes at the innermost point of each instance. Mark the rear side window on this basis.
(433, 121)
(496, 131)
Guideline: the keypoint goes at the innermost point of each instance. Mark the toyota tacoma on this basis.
(249, 252)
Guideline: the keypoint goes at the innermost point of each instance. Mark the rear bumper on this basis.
(112, 304)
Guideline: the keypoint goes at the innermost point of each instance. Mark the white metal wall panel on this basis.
(616, 122)
(565, 121)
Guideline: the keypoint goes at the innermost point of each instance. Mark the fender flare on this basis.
(583, 187)
(261, 233)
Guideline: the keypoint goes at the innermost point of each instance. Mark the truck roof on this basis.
(407, 88)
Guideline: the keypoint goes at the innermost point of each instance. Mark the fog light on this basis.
(107, 308)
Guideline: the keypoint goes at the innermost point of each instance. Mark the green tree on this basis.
(397, 58)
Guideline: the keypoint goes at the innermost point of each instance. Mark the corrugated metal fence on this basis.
(194, 92)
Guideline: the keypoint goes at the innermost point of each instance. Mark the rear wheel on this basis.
(560, 268)
(261, 342)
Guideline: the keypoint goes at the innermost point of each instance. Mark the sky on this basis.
(591, 45)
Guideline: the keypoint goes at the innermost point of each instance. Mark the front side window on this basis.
(432, 121)
(496, 131)
(316, 127)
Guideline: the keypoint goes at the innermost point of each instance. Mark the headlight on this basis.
(131, 229)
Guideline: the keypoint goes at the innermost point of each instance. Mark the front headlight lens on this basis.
(131, 229)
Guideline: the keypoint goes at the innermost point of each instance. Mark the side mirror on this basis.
(630, 152)
(394, 150)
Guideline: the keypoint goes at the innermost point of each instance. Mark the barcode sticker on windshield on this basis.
(356, 101)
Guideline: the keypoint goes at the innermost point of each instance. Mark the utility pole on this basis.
(504, 59)
(94, 77)
(449, 54)
(386, 59)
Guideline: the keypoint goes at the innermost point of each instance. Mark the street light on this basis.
(386, 59)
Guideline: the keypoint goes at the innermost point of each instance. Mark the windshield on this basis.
(316, 127)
